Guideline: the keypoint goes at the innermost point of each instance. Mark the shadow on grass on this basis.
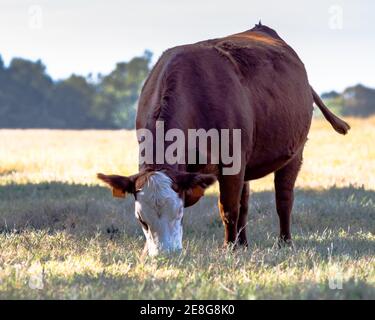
(338, 218)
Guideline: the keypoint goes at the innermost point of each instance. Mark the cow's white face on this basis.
(159, 209)
(160, 199)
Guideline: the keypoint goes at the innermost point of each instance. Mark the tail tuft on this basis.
(338, 124)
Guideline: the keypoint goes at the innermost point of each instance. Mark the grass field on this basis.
(63, 236)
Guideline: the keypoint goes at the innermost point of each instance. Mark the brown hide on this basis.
(251, 81)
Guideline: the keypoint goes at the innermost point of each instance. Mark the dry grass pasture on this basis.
(63, 236)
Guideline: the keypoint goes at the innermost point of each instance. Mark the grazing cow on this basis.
(251, 81)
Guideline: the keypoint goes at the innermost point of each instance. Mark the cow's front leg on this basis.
(284, 189)
(229, 206)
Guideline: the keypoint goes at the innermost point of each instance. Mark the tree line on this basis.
(357, 101)
(30, 98)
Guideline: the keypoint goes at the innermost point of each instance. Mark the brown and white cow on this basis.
(252, 81)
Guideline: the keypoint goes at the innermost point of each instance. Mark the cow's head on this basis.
(160, 198)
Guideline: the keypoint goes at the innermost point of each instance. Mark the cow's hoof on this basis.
(285, 243)
(228, 246)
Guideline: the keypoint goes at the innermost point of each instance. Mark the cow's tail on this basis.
(339, 125)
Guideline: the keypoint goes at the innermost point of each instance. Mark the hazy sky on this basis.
(335, 39)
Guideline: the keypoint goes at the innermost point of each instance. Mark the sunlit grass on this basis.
(34, 156)
(64, 236)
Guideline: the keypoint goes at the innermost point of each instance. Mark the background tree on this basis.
(118, 92)
(29, 98)
(70, 103)
(24, 91)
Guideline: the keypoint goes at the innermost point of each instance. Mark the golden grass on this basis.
(63, 236)
(35, 156)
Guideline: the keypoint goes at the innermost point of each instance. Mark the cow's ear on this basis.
(120, 185)
(193, 185)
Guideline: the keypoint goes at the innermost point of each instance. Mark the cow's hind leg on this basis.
(242, 219)
(229, 206)
(284, 188)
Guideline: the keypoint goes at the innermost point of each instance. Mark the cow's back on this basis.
(280, 97)
(249, 81)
